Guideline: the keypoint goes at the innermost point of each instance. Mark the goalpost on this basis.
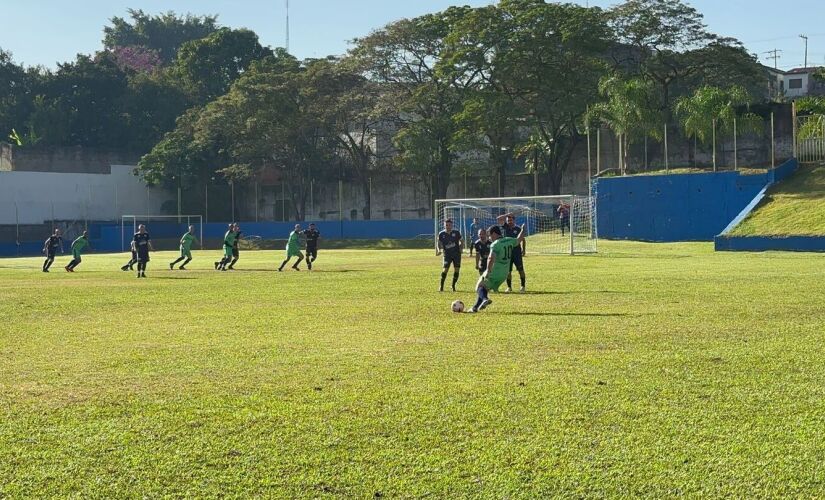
(160, 226)
(555, 224)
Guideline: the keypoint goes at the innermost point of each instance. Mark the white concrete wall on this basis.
(39, 196)
(789, 92)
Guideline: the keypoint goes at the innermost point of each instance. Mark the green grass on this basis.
(646, 370)
(795, 206)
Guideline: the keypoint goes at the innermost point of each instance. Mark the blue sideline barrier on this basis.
(765, 243)
(677, 207)
(107, 237)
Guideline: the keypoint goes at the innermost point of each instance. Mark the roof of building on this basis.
(800, 71)
(771, 69)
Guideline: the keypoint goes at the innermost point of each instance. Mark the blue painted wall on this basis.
(678, 207)
(106, 237)
(764, 243)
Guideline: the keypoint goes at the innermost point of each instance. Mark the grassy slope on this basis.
(651, 370)
(793, 207)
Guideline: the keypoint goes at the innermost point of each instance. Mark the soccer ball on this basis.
(458, 306)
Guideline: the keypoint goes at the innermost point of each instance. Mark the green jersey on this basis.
(187, 240)
(80, 244)
(502, 250)
(293, 243)
(229, 239)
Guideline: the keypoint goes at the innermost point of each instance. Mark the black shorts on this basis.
(312, 252)
(235, 252)
(50, 254)
(482, 266)
(143, 257)
(454, 259)
(517, 261)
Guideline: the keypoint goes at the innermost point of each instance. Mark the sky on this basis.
(45, 32)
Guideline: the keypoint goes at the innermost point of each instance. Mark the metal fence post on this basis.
(714, 145)
(773, 143)
(793, 119)
(735, 149)
(571, 224)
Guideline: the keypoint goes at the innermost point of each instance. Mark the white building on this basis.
(37, 197)
(800, 82)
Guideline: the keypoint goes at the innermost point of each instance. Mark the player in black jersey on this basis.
(312, 235)
(482, 248)
(50, 247)
(143, 244)
(449, 242)
(509, 228)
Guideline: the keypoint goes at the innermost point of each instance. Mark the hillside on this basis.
(795, 206)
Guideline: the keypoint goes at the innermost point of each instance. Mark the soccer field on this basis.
(647, 369)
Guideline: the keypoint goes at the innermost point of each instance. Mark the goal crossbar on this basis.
(558, 224)
(183, 219)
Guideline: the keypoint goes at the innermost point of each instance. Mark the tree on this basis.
(81, 103)
(15, 96)
(490, 118)
(548, 62)
(712, 109)
(629, 110)
(207, 67)
(162, 34)
(345, 102)
(151, 106)
(403, 59)
(264, 121)
(667, 42)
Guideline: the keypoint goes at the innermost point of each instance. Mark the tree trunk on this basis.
(500, 158)
(365, 186)
(441, 182)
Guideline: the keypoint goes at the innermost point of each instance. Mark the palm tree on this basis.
(628, 110)
(712, 109)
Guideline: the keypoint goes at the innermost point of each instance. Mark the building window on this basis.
(795, 83)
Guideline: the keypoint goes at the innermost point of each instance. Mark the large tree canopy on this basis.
(514, 79)
(163, 34)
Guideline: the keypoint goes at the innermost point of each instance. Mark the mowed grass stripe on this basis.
(644, 370)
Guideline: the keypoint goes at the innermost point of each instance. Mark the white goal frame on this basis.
(539, 213)
(145, 219)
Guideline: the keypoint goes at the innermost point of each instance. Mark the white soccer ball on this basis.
(458, 306)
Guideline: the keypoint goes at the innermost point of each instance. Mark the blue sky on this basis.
(49, 31)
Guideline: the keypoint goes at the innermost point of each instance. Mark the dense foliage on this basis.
(518, 81)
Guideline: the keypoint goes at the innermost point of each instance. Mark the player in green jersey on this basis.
(293, 248)
(186, 242)
(228, 244)
(498, 265)
(78, 246)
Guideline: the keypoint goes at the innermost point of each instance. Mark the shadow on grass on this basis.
(337, 271)
(564, 292)
(534, 313)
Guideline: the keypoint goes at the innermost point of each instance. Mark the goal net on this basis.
(554, 224)
(160, 227)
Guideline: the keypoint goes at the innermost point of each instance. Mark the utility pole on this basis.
(775, 56)
(806, 48)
